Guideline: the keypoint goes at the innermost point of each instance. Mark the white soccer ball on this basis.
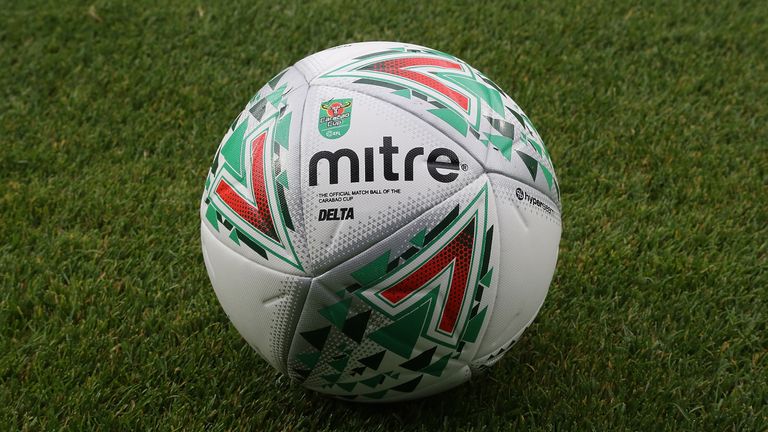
(381, 221)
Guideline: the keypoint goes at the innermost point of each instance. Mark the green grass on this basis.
(656, 116)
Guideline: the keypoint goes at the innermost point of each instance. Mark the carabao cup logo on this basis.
(335, 118)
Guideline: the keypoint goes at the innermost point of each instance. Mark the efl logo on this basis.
(335, 118)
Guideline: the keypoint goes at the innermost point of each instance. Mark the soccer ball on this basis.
(381, 221)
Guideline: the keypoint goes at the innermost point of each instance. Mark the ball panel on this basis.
(528, 238)
(263, 304)
(451, 96)
(407, 313)
(251, 201)
(381, 168)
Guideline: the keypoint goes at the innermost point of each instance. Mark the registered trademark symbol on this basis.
(464, 167)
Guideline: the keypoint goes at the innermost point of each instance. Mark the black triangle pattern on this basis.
(420, 361)
(258, 109)
(519, 118)
(355, 327)
(317, 338)
(408, 386)
(273, 82)
(303, 373)
(354, 287)
(530, 163)
(504, 128)
(373, 361)
(434, 232)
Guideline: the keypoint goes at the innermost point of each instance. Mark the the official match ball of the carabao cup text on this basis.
(381, 221)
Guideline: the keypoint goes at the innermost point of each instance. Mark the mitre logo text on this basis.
(442, 164)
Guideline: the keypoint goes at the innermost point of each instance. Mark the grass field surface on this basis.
(655, 113)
